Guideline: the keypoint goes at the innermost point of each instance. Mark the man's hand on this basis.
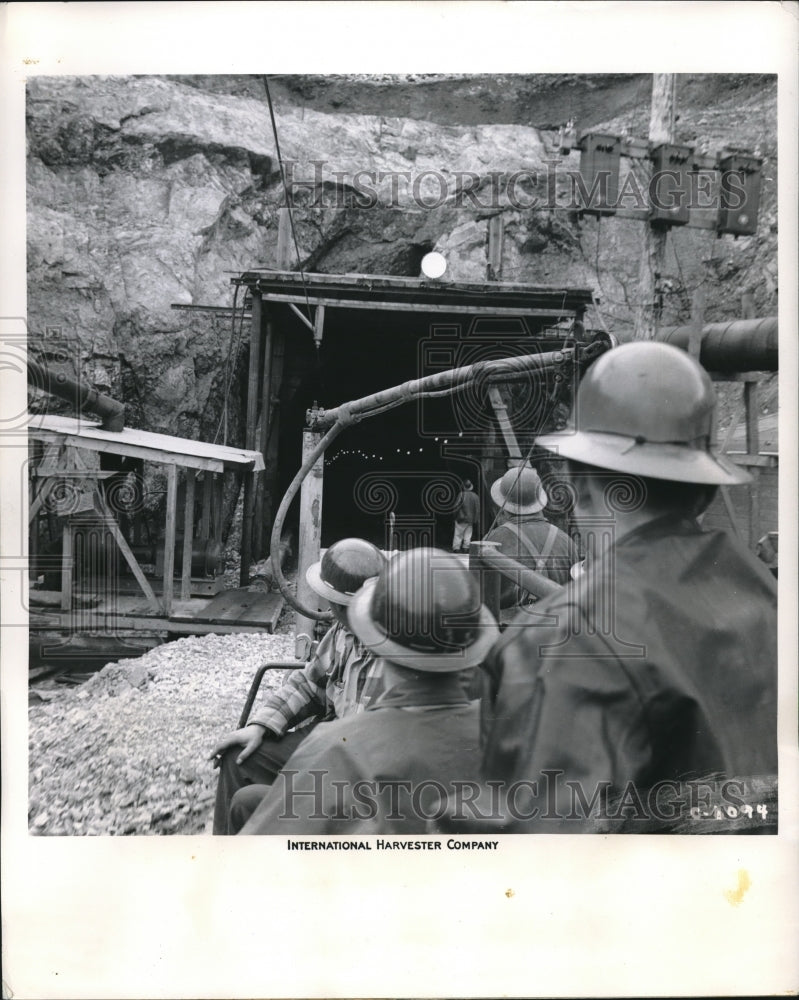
(249, 738)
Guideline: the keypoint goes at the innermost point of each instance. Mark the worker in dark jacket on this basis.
(467, 514)
(523, 533)
(383, 770)
(659, 665)
(341, 678)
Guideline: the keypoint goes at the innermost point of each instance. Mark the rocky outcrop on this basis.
(148, 192)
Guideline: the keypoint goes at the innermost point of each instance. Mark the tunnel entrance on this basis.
(394, 478)
(375, 332)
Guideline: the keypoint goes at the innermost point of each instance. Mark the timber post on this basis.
(310, 540)
(653, 245)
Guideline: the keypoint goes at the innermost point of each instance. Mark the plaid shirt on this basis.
(342, 678)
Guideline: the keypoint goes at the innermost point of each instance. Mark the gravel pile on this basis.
(126, 752)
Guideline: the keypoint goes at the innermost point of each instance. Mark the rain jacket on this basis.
(659, 664)
(378, 771)
(341, 678)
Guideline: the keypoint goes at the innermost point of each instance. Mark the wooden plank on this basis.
(242, 606)
(761, 461)
(141, 444)
(169, 538)
(263, 278)
(165, 458)
(66, 566)
(144, 623)
(188, 536)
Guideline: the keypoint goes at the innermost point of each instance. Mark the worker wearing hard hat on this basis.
(523, 533)
(340, 679)
(385, 769)
(658, 663)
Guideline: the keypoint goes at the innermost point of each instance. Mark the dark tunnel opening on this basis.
(408, 461)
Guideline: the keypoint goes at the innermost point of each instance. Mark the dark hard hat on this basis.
(519, 491)
(344, 568)
(646, 408)
(424, 612)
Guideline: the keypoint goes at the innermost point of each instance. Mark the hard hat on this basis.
(344, 568)
(646, 408)
(424, 612)
(519, 491)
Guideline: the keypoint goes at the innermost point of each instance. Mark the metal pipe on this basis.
(742, 345)
(111, 411)
(527, 579)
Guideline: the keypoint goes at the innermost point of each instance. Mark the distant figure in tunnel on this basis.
(467, 514)
(342, 678)
(524, 534)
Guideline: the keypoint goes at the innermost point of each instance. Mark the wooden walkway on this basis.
(238, 610)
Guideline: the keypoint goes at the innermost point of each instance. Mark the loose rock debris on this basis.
(127, 752)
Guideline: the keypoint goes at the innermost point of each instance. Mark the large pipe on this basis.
(743, 345)
(536, 583)
(444, 381)
(79, 395)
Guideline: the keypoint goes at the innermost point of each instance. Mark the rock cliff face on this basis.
(147, 192)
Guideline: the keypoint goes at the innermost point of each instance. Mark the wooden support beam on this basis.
(754, 507)
(67, 559)
(319, 326)
(300, 315)
(110, 523)
(310, 529)
(653, 246)
(254, 374)
(246, 528)
(205, 516)
(505, 426)
(169, 537)
(285, 255)
(752, 408)
(415, 307)
(496, 236)
(136, 451)
(219, 493)
(188, 536)
(259, 530)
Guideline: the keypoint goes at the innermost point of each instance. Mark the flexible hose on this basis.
(344, 420)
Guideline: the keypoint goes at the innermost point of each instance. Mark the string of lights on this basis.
(359, 453)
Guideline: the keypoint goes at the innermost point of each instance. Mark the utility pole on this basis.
(653, 247)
